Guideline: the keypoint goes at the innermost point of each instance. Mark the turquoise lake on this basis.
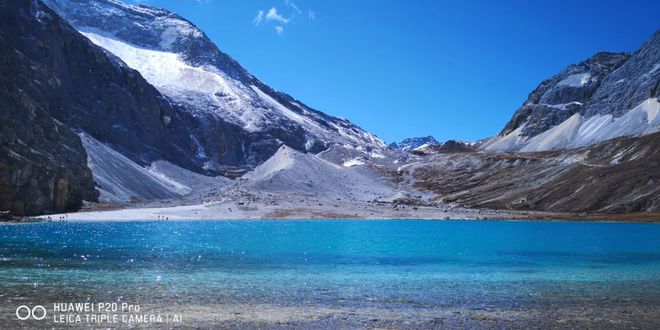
(342, 273)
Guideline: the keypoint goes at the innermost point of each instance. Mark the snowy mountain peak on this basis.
(185, 65)
(409, 144)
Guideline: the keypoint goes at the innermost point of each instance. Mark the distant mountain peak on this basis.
(409, 144)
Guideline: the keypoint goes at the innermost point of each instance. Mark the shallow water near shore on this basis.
(325, 273)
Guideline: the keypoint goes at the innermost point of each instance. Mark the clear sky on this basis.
(452, 69)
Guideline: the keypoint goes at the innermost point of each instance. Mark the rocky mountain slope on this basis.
(290, 172)
(216, 91)
(607, 96)
(619, 175)
(448, 146)
(55, 82)
(90, 90)
(43, 165)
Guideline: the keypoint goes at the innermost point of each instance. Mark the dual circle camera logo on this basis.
(37, 312)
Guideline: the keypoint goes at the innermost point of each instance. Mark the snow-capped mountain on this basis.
(409, 144)
(182, 63)
(607, 96)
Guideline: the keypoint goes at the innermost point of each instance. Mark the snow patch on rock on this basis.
(353, 162)
(575, 80)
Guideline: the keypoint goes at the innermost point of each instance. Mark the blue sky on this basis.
(452, 69)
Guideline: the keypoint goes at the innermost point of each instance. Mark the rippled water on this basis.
(347, 273)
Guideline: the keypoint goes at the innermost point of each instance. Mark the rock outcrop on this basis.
(43, 165)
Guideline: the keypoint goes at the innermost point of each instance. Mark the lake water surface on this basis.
(340, 273)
